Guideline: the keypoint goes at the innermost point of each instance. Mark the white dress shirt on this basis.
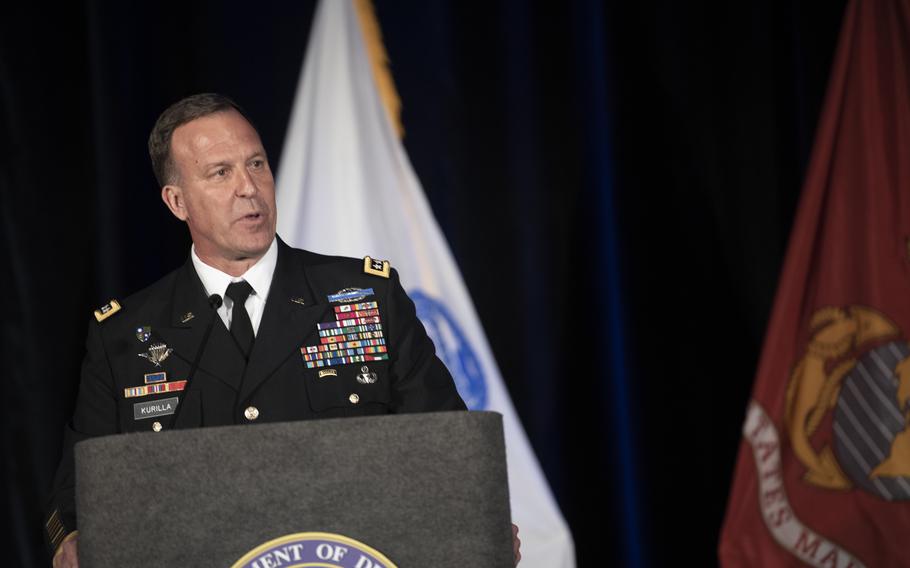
(259, 276)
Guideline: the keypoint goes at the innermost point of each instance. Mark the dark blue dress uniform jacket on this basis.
(275, 381)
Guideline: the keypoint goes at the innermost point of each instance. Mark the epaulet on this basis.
(377, 267)
(107, 310)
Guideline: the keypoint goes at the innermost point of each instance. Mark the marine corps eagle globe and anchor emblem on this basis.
(856, 366)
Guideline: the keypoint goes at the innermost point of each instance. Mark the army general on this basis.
(248, 329)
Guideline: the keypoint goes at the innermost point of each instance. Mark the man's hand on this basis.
(516, 544)
(66, 556)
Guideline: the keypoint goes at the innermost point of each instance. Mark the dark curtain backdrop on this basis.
(617, 182)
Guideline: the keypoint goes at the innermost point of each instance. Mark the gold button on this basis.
(251, 413)
(156, 426)
(354, 398)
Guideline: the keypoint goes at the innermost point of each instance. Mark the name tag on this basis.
(154, 408)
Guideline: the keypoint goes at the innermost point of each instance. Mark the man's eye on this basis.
(221, 172)
(257, 164)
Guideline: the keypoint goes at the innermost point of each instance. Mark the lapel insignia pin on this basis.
(107, 310)
(187, 317)
(350, 295)
(157, 353)
(300, 301)
(328, 373)
(143, 333)
(377, 267)
(366, 377)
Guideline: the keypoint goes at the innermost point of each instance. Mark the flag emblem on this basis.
(342, 160)
(453, 348)
(857, 367)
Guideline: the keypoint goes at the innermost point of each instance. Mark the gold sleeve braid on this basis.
(57, 532)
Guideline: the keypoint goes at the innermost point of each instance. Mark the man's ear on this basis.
(172, 195)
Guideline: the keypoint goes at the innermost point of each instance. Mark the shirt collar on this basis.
(259, 276)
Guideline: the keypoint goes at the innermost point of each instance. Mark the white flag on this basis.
(343, 160)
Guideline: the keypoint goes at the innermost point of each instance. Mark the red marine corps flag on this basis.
(823, 475)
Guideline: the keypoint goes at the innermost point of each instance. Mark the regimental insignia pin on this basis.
(350, 294)
(107, 310)
(377, 267)
(143, 333)
(328, 373)
(187, 317)
(300, 301)
(157, 353)
(366, 377)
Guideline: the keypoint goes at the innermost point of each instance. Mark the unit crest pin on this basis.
(143, 333)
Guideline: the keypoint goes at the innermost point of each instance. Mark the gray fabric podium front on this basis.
(425, 490)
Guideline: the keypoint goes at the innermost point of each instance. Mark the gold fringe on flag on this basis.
(379, 62)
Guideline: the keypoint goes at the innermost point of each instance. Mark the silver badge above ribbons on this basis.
(350, 294)
(157, 353)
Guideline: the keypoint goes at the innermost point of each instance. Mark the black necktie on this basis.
(241, 327)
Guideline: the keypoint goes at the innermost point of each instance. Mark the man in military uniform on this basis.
(249, 329)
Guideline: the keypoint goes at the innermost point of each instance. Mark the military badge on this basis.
(157, 353)
(107, 310)
(377, 267)
(366, 377)
(350, 295)
(143, 333)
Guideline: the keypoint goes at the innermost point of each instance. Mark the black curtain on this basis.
(616, 180)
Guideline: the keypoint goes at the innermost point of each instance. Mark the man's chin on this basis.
(255, 247)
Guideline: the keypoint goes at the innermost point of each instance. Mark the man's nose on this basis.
(246, 186)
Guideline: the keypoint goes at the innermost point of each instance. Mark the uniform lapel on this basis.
(291, 313)
(189, 316)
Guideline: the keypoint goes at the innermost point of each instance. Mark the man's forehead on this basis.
(220, 131)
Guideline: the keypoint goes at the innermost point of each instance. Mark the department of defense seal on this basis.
(313, 549)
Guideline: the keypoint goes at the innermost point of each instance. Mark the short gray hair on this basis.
(176, 115)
